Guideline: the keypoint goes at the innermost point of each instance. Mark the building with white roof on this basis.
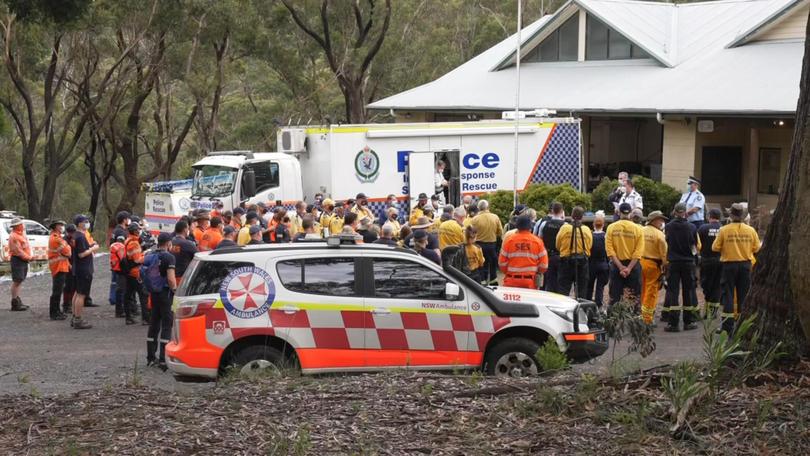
(664, 90)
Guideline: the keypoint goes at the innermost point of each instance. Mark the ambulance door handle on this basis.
(381, 311)
(289, 309)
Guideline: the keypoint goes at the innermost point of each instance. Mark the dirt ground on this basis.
(44, 357)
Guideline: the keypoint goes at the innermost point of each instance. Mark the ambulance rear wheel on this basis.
(260, 360)
(513, 357)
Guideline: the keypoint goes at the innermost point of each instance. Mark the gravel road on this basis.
(46, 357)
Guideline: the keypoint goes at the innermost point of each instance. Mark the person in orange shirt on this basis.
(59, 253)
(212, 236)
(523, 256)
(20, 252)
(201, 220)
(134, 256)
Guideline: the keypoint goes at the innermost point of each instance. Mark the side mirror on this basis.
(248, 183)
(452, 292)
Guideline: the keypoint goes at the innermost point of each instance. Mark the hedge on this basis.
(537, 197)
(657, 196)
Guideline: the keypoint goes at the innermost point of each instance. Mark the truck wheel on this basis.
(262, 360)
(513, 357)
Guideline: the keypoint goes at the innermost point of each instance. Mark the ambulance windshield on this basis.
(213, 181)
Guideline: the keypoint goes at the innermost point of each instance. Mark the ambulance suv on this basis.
(332, 306)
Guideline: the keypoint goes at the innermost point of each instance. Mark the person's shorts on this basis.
(83, 284)
(19, 269)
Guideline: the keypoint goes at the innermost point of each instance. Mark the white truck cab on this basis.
(234, 177)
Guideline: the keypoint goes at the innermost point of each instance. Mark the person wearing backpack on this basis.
(157, 274)
(117, 255)
(132, 260)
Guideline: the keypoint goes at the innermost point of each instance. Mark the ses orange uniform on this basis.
(210, 239)
(58, 254)
(134, 254)
(522, 257)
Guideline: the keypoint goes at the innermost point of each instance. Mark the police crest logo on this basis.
(247, 292)
(366, 165)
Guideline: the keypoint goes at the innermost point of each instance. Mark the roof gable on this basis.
(776, 15)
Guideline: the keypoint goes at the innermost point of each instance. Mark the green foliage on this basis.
(537, 197)
(56, 11)
(623, 320)
(657, 196)
(683, 388)
(550, 358)
(743, 351)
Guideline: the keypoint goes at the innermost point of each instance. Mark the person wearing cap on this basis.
(574, 242)
(523, 256)
(70, 281)
(122, 220)
(228, 238)
(420, 244)
(212, 236)
(490, 232)
(710, 267)
(695, 202)
(418, 210)
(451, 231)
(429, 212)
(183, 249)
(520, 209)
(624, 245)
(117, 254)
(255, 232)
(653, 264)
(682, 246)
(59, 254)
(393, 221)
(134, 255)
(422, 224)
(238, 219)
(631, 196)
(361, 208)
(20, 251)
(251, 219)
(547, 229)
(160, 321)
(203, 217)
(83, 269)
(391, 202)
(598, 266)
(737, 244)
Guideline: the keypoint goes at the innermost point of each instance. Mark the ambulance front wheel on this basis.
(262, 360)
(512, 357)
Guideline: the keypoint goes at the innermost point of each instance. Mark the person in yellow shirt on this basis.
(243, 238)
(624, 243)
(392, 220)
(450, 231)
(418, 210)
(490, 231)
(361, 208)
(653, 263)
(472, 211)
(475, 256)
(737, 244)
(574, 242)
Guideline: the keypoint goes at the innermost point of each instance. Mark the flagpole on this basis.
(517, 101)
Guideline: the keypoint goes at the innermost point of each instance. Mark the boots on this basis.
(17, 305)
(78, 323)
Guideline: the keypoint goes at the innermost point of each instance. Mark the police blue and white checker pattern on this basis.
(560, 163)
(378, 209)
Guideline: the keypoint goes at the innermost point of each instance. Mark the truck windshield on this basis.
(211, 180)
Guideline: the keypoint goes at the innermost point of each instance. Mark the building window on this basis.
(722, 170)
(604, 43)
(560, 46)
(770, 162)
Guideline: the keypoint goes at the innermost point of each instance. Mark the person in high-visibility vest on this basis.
(653, 264)
(737, 244)
(59, 254)
(523, 256)
(20, 251)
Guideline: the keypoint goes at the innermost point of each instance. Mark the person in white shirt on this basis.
(439, 182)
(631, 196)
(695, 202)
(617, 194)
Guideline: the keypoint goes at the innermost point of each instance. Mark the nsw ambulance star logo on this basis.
(247, 292)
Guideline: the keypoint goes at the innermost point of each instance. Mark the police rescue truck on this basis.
(341, 161)
(333, 306)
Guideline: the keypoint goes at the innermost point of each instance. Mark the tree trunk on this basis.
(780, 294)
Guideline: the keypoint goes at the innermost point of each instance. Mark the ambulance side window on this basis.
(321, 276)
(208, 276)
(403, 279)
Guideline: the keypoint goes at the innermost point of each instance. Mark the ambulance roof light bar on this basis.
(510, 115)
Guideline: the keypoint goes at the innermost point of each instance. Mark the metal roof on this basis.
(694, 68)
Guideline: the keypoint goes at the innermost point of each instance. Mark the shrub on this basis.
(537, 197)
(657, 196)
(550, 358)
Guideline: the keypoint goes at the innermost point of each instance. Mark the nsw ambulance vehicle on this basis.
(327, 306)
